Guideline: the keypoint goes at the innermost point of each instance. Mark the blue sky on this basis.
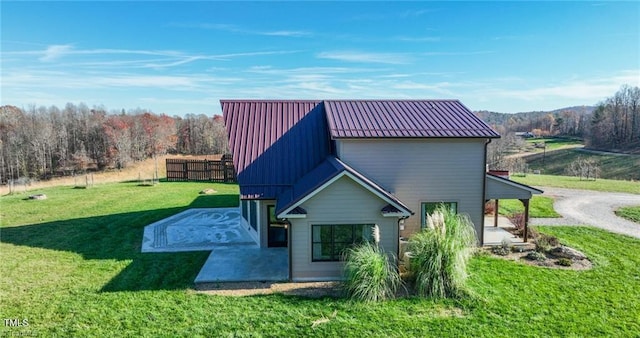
(182, 57)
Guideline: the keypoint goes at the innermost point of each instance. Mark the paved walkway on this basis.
(583, 207)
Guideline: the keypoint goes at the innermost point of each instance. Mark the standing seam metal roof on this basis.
(404, 119)
(276, 142)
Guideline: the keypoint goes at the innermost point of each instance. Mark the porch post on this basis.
(525, 202)
(495, 214)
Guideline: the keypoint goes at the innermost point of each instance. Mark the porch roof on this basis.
(503, 188)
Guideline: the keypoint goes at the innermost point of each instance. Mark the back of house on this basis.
(316, 176)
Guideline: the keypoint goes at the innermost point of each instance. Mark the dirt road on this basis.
(591, 208)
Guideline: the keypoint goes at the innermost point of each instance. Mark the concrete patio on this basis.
(494, 235)
(235, 255)
(245, 264)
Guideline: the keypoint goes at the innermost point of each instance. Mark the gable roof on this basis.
(404, 119)
(322, 176)
(274, 142)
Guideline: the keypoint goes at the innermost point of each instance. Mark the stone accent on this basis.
(566, 252)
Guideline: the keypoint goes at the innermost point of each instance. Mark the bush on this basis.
(536, 256)
(564, 262)
(545, 242)
(439, 254)
(489, 208)
(504, 249)
(369, 276)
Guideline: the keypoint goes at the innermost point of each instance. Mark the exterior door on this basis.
(277, 231)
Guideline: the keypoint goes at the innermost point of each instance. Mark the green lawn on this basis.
(539, 206)
(630, 213)
(553, 143)
(71, 265)
(632, 187)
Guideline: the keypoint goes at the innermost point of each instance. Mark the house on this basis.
(316, 175)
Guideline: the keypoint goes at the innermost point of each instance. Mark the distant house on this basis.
(525, 134)
(315, 176)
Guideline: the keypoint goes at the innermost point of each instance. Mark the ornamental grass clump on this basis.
(369, 274)
(439, 254)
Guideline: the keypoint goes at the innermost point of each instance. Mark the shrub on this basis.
(489, 208)
(504, 248)
(439, 254)
(545, 242)
(518, 221)
(564, 262)
(369, 276)
(536, 256)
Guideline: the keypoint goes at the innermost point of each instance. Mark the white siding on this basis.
(423, 170)
(343, 202)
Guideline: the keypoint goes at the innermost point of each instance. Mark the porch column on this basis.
(495, 214)
(525, 202)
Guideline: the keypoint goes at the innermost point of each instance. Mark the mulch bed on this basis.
(550, 262)
(240, 289)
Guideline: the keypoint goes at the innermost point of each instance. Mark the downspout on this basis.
(398, 258)
(289, 250)
(484, 192)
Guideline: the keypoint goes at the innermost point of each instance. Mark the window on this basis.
(253, 214)
(329, 241)
(429, 207)
(244, 205)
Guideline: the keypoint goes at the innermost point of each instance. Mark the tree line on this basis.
(612, 125)
(615, 124)
(42, 142)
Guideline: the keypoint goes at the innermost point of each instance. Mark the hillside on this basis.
(495, 118)
(612, 165)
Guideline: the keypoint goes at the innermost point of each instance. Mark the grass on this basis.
(622, 167)
(539, 206)
(630, 213)
(632, 187)
(554, 143)
(72, 266)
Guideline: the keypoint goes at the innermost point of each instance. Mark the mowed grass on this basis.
(71, 265)
(554, 143)
(632, 187)
(631, 213)
(614, 166)
(539, 206)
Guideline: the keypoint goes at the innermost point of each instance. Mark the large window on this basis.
(328, 241)
(253, 214)
(429, 207)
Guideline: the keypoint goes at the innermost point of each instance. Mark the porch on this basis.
(501, 187)
(496, 232)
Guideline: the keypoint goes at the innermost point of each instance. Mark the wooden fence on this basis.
(221, 171)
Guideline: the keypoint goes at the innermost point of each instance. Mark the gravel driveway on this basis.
(594, 208)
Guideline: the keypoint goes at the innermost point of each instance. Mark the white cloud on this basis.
(366, 57)
(55, 52)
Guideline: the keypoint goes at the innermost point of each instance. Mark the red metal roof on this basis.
(274, 143)
(404, 119)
